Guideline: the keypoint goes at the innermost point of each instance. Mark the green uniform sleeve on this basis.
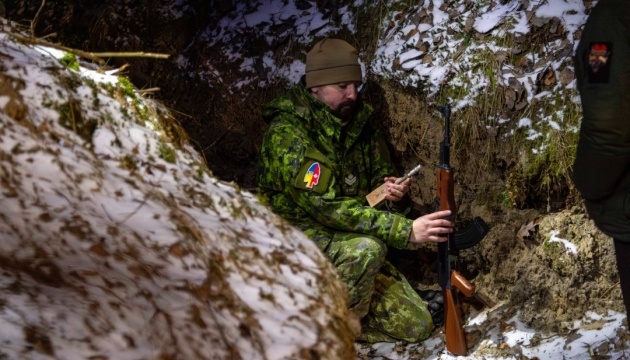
(306, 176)
(348, 214)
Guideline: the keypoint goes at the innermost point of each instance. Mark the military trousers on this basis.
(389, 308)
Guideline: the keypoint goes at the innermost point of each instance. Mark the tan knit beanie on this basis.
(332, 61)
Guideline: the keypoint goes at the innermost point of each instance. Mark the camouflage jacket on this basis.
(317, 176)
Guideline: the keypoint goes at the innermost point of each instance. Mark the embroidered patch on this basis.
(313, 175)
(598, 62)
(350, 179)
(311, 178)
(350, 185)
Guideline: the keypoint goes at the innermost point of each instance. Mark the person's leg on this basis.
(391, 310)
(358, 259)
(397, 313)
(622, 253)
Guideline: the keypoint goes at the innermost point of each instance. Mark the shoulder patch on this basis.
(599, 58)
(313, 175)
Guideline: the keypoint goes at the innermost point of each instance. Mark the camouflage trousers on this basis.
(389, 308)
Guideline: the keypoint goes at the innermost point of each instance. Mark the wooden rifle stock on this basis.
(450, 280)
(455, 337)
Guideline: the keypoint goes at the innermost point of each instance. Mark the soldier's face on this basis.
(340, 98)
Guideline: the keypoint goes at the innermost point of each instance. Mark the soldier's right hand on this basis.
(431, 227)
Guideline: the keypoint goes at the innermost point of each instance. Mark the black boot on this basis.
(435, 305)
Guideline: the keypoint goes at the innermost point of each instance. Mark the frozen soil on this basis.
(551, 266)
(538, 275)
(524, 270)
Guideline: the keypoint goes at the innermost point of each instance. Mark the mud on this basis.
(551, 267)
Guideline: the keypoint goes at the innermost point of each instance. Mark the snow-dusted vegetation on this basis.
(118, 243)
(126, 230)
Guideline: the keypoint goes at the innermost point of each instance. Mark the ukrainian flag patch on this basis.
(311, 178)
(313, 175)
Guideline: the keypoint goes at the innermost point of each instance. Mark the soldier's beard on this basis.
(344, 110)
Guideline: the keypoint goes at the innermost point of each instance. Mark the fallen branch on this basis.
(149, 90)
(131, 54)
(96, 57)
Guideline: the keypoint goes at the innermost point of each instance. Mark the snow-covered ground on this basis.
(50, 188)
(508, 339)
(118, 243)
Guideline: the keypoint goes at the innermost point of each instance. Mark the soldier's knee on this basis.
(358, 252)
(420, 329)
(371, 249)
(411, 326)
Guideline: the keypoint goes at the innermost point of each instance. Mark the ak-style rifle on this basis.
(449, 279)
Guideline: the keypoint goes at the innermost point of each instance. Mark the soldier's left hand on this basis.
(395, 192)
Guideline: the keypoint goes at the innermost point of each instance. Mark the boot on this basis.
(435, 305)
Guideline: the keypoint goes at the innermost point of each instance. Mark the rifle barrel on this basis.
(445, 153)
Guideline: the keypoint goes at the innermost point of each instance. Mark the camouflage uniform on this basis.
(315, 173)
(602, 163)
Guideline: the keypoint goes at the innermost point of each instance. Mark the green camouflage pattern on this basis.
(301, 132)
(396, 311)
(332, 209)
(358, 260)
(390, 309)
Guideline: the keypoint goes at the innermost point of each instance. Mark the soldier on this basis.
(319, 159)
(602, 163)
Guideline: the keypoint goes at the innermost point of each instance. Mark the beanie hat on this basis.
(332, 61)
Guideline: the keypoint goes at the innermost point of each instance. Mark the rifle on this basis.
(472, 234)
(448, 278)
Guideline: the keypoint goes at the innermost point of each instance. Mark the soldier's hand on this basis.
(395, 192)
(431, 227)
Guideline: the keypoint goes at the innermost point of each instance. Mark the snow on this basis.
(569, 246)
(585, 336)
(110, 197)
(570, 12)
(494, 17)
(113, 234)
(589, 332)
(449, 35)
